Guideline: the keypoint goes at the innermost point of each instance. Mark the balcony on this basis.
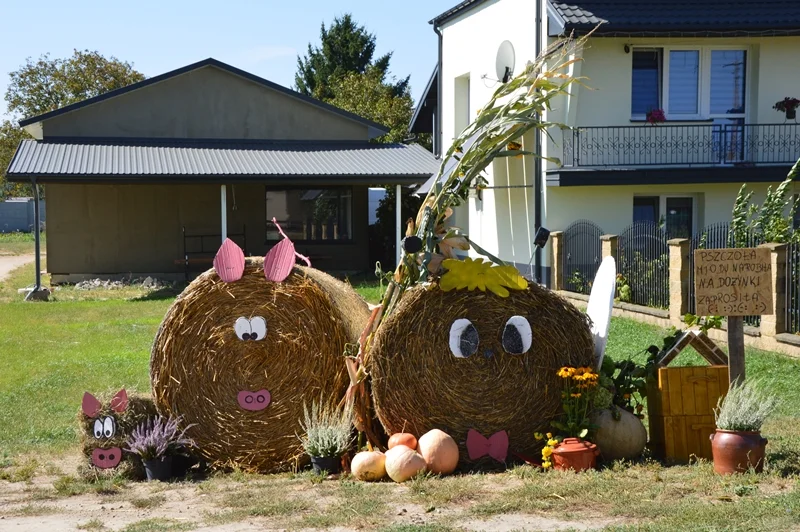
(677, 154)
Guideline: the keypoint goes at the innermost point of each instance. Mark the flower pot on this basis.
(331, 464)
(159, 468)
(791, 114)
(737, 452)
(575, 454)
(181, 464)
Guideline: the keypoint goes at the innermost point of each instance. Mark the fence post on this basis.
(609, 246)
(678, 279)
(776, 323)
(557, 259)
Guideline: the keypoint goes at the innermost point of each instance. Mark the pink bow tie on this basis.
(495, 445)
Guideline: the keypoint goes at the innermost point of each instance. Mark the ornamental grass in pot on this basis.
(328, 436)
(737, 444)
(156, 442)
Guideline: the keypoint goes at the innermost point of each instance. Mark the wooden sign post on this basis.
(733, 282)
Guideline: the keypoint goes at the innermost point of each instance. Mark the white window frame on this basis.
(662, 206)
(703, 81)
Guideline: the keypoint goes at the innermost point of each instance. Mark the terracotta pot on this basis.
(575, 454)
(736, 452)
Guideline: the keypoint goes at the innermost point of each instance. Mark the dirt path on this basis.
(10, 263)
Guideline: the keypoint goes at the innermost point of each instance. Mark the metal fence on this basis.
(793, 288)
(643, 262)
(582, 255)
(716, 236)
(704, 144)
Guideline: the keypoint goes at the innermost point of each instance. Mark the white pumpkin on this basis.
(624, 438)
(440, 452)
(402, 463)
(369, 466)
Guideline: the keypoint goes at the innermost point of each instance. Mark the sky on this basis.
(261, 37)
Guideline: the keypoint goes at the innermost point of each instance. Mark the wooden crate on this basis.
(681, 411)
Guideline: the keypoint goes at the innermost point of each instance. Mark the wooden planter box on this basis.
(680, 404)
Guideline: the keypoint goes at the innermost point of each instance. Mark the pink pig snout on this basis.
(254, 400)
(106, 458)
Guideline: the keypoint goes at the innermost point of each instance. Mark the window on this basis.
(646, 84)
(690, 83)
(645, 209)
(311, 215)
(461, 109)
(679, 217)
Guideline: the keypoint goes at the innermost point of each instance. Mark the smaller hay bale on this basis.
(419, 384)
(138, 410)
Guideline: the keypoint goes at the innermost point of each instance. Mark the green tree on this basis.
(46, 84)
(345, 47)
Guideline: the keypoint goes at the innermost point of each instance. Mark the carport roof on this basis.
(219, 161)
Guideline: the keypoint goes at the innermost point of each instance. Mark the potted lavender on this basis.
(156, 441)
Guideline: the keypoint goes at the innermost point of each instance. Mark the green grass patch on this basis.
(93, 524)
(358, 505)
(154, 501)
(158, 525)
(16, 243)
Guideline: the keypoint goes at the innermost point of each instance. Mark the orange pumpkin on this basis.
(403, 438)
(440, 452)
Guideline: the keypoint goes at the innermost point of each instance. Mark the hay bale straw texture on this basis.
(419, 385)
(140, 408)
(199, 364)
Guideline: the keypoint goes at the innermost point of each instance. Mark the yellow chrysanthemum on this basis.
(546, 452)
(476, 273)
(549, 435)
(546, 464)
(538, 436)
(552, 442)
(566, 372)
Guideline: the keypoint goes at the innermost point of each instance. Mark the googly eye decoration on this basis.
(517, 336)
(463, 338)
(109, 427)
(251, 329)
(98, 429)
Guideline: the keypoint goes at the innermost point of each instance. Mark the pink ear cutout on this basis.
(229, 261)
(90, 405)
(279, 260)
(120, 401)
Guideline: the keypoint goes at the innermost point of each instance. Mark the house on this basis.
(150, 178)
(715, 68)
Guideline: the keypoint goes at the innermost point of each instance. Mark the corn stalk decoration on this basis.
(515, 108)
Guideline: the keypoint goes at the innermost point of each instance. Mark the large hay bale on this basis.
(418, 384)
(103, 442)
(200, 365)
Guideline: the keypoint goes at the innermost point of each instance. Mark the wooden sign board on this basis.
(733, 282)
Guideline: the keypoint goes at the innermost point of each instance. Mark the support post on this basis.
(609, 246)
(37, 237)
(223, 200)
(679, 276)
(557, 259)
(735, 348)
(775, 322)
(399, 220)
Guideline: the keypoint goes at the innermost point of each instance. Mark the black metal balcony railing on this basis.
(663, 145)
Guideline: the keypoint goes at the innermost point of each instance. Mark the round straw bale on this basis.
(138, 410)
(245, 397)
(418, 384)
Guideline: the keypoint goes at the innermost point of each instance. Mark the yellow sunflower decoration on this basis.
(477, 273)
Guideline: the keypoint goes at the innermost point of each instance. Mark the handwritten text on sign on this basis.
(733, 282)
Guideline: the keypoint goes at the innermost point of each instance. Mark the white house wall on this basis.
(469, 50)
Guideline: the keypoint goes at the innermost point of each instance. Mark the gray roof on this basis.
(131, 160)
(659, 17)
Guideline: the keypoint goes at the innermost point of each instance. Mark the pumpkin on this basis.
(402, 463)
(440, 452)
(403, 438)
(623, 438)
(369, 466)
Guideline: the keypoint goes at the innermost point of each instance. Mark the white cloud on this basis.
(261, 54)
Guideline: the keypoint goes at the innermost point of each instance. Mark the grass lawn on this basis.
(53, 352)
(18, 243)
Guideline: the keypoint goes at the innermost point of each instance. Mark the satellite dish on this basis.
(601, 301)
(505, 61)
